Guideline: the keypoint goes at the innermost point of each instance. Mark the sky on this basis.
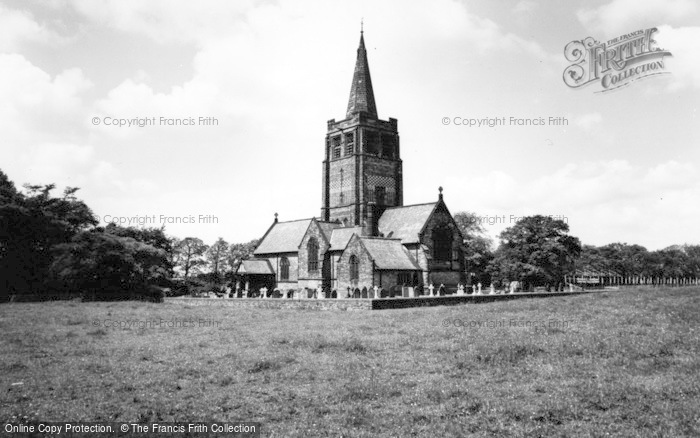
(268, 75)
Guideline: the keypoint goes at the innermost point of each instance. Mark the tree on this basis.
(190, 252)
(173, 255)
(478, 246)
(151, 236)
(239, 252)
(536, 251)
(31, 225)
(216, 257)
(108, 266)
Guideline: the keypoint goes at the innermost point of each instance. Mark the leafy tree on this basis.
(239, 252)
(173, 255)
(108, 266)
(537, 250)
(216, 257)
(626, 260)
(151, 236)
(190, 255)
(31, 225)
(478, 245)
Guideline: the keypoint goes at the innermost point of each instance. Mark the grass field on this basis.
(622, 363)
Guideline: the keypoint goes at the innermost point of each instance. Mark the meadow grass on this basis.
(619, 363)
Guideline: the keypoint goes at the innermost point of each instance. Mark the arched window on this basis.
(312, 252)
(442, 244)
(284, 268)
(354, 268)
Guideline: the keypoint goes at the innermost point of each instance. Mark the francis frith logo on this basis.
(615, 63)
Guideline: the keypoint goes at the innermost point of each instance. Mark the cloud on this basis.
(620, 16)
(684, 65)
(17, 27)
(525, 7)
(588, 121)
(678, 32)
(165, 20)
(604, 201)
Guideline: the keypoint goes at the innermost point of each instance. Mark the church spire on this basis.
(361, 93)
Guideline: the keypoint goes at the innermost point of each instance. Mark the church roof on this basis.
(389, 254)
(255, 266)
(341, 236)
(361, 92)
(283, 237)
(327, 228)
(405, 223)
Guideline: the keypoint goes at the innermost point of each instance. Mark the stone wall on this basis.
(442, 272)
(312, 279)
(401, 303)
(366, 268)
(275, 303)
(362, 304)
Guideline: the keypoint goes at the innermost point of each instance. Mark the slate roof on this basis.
(405, 223)
(328, 227)
(389, 254)
(255, 266)
(341, 236)
(361, 92)
(283, 237)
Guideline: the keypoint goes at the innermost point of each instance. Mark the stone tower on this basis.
(362, 168)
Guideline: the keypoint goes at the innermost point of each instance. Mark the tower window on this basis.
(284, 268)
(442, 244)
(312, 252)
(349, 144)
(354, 268)
(336, 146)
(388, 146)
(371, 140)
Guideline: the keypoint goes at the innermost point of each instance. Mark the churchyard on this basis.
(618, 363)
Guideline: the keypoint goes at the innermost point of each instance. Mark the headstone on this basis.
(492, 290)
(263, 292)
(478, 285)
(460, 289)
(375, 291)
(431, 288)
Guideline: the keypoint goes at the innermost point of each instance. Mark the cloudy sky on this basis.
(273, 72)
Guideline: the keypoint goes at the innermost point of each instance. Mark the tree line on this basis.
(539, 251)
(53, 247)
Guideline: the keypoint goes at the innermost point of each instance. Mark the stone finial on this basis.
(275, 217)
(440, 190)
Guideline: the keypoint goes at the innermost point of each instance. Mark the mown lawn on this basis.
(619, 363)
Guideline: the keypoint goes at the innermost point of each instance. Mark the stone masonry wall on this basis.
(312, 279)
(366, 268)
(440, 218)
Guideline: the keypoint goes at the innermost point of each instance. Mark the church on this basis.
(365, 238)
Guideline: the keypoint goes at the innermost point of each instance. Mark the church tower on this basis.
(362, 168)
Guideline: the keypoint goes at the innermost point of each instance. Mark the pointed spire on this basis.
(361, 92)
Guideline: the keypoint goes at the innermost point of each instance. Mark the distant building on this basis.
(365, 236)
